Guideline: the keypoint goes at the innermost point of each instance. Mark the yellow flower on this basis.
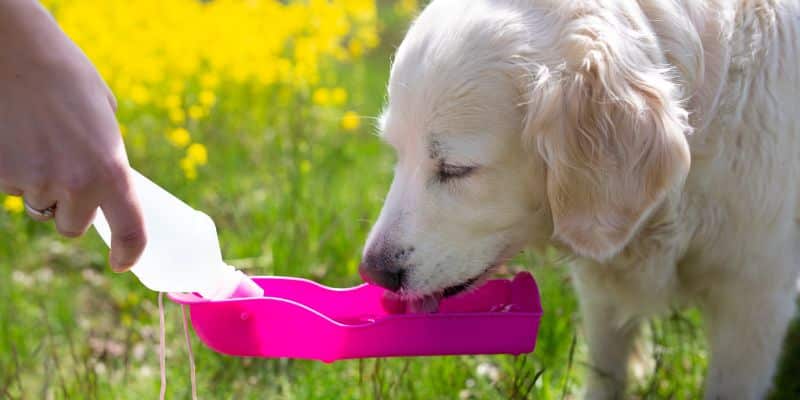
(173, 101)
(140, 94)
(123, 130)
(350, 121)
(321, 97)
(179, 137)
(213, 43)
(284, 68)
(356, 48)
(189, 168)
(339, 96)
(177, 116)
(207, 98)
(369, 35)
(13, 204)
(209, 80)
(268, 74)
(177, 86)
(197, 153)
(196, 112)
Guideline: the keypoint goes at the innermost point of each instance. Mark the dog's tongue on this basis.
(397, 305)
(426, 305)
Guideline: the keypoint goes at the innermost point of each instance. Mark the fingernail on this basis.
(117, 265)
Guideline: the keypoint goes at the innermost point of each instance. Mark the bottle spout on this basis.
(247, 288)
(232, 283)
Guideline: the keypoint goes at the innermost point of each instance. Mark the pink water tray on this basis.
(298, 318)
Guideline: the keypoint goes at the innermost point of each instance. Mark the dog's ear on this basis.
(613, 137)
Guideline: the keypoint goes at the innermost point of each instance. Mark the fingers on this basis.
(124, 216)
(78, 203)
(10, 190)
(73, 217)
(39, 202)
(74, 207)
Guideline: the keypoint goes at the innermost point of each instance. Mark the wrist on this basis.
(29, 34)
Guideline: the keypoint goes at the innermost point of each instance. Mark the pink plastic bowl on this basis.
(299, 318)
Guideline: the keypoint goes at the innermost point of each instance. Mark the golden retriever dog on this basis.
(657, 142)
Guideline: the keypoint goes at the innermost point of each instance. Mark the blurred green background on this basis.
(261, 113)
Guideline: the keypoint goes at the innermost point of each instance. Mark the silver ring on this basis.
(47, 213)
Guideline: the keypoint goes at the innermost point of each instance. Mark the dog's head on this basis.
(513, 125)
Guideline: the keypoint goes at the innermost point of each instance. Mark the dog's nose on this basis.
(385, 265)
(391, 280)
(378, 274)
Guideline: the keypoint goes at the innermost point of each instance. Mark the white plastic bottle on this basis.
(182, 252)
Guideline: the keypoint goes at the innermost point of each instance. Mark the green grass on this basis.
(70, 329)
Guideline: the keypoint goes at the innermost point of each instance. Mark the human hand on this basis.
(59, 139)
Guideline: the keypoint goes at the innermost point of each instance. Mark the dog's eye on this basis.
(447, 172)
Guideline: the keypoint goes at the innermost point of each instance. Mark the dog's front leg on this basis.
(747, 324)
(610, 337)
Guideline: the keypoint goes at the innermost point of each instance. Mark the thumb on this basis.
(124, 215)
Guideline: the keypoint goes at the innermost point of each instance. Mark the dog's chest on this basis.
(637, 289)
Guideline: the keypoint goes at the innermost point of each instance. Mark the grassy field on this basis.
(286, 162)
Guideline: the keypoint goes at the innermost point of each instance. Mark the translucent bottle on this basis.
(182, 252)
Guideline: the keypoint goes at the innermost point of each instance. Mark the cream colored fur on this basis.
(657, 141)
